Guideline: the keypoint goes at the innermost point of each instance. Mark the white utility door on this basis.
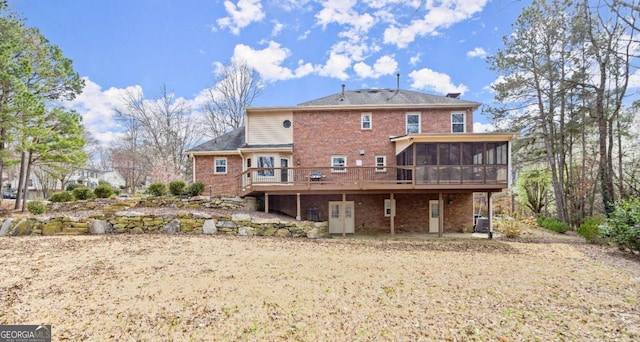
(338, 210)
(434, 216)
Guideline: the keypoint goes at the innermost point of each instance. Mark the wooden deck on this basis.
(373, 179)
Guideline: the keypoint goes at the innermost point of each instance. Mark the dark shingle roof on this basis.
(385, 97)
(227, 142)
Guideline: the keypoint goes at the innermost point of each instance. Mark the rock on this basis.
(136, 230)
(173, 227)
(209, 227)
(23, 227)
(51, 228)
(225, 224)
(201, 216)
(129, 213)
(5, 226)
(314, 234)
(245, 231)
(283, 233)
(241, 217)
(257, 220)
(99, 227)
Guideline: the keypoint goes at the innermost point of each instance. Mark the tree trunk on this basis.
(21, 181)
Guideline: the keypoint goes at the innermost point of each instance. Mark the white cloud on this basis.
(415, 59)
(479, 127)
(336, 66)
(477, 52)
(241, 15)
(343, 13)
(439, 14)
(98, 109)
(425, 78)
(385, 65)
(634, 80)
(267, 62)
(277, 28)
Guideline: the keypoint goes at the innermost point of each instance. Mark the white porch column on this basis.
(342, 214)
(392, 203)
(266, 202)
(440, 215)
(298, 216)
(490, 211)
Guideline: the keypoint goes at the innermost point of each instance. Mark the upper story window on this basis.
(365, 121)
(338, 163)
(413, 123)
(381, 162)
(220, 165)
(457, 123)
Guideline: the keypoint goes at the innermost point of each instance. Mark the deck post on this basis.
(393, 214)
(342, 214)
(490, 212)
(266, 202)
(298, 216)
(440, 215)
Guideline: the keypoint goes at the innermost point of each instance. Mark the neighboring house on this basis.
(364, 160)
(88, 177)
(114, 178)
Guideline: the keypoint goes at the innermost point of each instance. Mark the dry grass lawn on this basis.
(206, 288)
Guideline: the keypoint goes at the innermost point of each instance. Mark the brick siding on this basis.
(218, 184)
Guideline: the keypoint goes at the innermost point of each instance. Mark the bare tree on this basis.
(237, 85)
(163, 129)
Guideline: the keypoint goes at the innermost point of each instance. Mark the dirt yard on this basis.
(206, 288)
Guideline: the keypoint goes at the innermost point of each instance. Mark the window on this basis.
(220, 165)
(457, 123)
(265, 163)
(381, 162)
(338, 163)
(286, 123)
(387, 208)
(365, 121)
(413, 123)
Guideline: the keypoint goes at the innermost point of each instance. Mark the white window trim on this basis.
(382, 168)
(215, 166)
(406, 122)
(464, 123)
(387, 208)
(334, 167)
(362, 122)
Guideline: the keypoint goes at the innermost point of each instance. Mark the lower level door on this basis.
(341, 214)
(434, 216)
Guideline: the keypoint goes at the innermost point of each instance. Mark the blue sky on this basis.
(303, 49)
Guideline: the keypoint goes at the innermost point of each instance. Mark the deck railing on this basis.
(367, 177)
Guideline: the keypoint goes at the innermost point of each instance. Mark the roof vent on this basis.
(453, 95)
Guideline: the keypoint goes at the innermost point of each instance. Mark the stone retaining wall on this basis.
(198, 202)
(133, 222)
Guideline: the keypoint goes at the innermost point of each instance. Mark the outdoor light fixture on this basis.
(450, 202)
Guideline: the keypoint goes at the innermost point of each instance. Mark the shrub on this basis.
(72, 186)
(157, 189)
(553, 224)
(103, 191)
(589, 229)
(195, 189)
(623, 224)
(509, 227)
(104, 182)
(62, 196)
(176, 188)
(83, 193)
(36, 207)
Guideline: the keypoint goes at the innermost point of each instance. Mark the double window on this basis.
(413, 123)
(266, 164)
(338, 163)
(457, 123)
(220, 166)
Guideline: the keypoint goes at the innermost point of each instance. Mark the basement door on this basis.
(434, 216)
(338, 210)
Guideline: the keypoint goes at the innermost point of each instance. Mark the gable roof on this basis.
(227, 142)
(368, 97)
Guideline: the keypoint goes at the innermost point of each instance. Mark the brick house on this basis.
(364, 160)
